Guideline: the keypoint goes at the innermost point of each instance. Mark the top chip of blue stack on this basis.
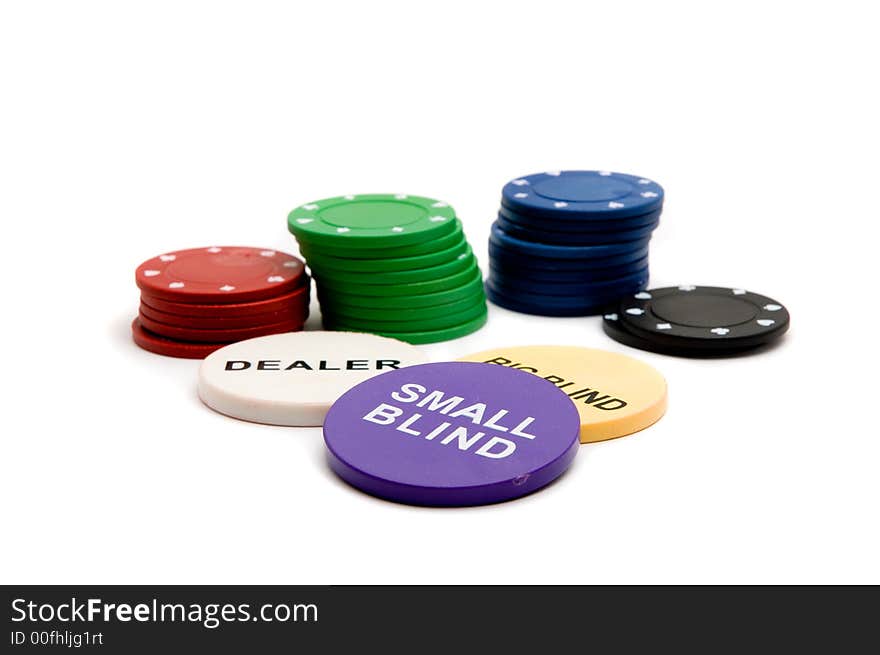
(582, 195)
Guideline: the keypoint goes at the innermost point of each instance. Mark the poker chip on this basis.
(585, 195)
(348, 250)
(293, 379)
(570, 243)
(434, 285)
(553, 237)
(372, 220)
(155, 343)
(501, 254)
(471, 291)
(298, 298)
(216, 335)
(354, 313)
(697, 320)
(614, 395)
(219, 275)
(331, 264)
(289, 314)
(196, 301)
(461, 262)
(555, 251)
(587, 275)
(546, 305)
(614, 288)
(407, 323)
(578, 226)
(451, 434)
(426, 336)
(377, 258)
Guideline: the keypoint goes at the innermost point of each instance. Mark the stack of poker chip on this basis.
(394, 265)
(570, 243)
(196, 301)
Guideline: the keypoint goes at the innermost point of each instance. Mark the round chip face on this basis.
(228, 274)
(710, 319)
(293, 379)
(597, 195)
(160, 345)
(615, 395)
(372, 220)
(452, 434)
(551, 251)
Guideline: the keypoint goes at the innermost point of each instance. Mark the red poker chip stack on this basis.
(196, 301)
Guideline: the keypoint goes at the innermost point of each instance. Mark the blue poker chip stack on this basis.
(571, 243)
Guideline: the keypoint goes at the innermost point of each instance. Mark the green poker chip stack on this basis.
(391, 264)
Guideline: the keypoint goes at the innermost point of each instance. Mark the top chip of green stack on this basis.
(372, 220)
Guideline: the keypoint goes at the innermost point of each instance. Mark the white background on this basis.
(133, 129)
